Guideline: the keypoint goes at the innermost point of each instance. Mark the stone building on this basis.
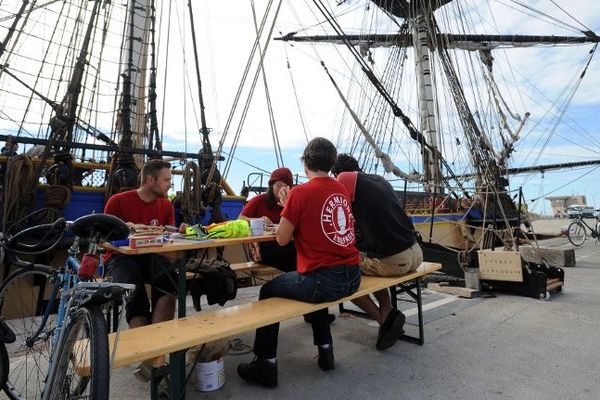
(559, 204)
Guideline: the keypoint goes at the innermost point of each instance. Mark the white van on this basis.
(582, 210)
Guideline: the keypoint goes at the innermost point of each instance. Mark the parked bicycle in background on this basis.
(57, 349)
(577, 232)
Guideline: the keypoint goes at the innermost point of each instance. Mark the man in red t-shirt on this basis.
(146, 205)
(318, 216)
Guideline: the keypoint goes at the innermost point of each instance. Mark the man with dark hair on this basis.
(146, 205)
(386, 239)
(317, 214)
(345, 162)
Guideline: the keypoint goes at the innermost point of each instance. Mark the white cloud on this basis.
(226, 34)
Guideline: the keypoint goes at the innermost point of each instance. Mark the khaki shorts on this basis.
(394, 265)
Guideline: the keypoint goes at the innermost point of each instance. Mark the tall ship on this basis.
(426, 93)
(430, 96)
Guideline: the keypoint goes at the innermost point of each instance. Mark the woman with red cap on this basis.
(266, 206)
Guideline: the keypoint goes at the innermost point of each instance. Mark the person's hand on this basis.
(283, 195)
(183, 227)
(267, 220)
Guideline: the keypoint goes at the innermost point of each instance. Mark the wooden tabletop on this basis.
(183, 244)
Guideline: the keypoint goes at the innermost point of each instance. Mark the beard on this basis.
(160, 193)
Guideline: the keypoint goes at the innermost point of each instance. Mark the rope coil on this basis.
(191, 198)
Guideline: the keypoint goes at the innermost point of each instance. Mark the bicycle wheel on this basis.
(23, 301)
(82, 368)
(576, 233)
(3, 365)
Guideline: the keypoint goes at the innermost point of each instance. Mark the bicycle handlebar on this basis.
(93, 227)
(19, 243)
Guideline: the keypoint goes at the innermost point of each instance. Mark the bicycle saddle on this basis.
(104, 227)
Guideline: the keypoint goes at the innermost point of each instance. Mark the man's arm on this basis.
(284, 232)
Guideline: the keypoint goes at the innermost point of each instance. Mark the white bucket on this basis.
(210, 375)
(472, 278)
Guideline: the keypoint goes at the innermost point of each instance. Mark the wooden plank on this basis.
(454, 290)
(553, 286)
(500, 265)
(189, 245)
(248, 266)
(136, 345)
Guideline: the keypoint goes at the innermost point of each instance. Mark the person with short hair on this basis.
(318, 216)
(146, 205)
(386, 238)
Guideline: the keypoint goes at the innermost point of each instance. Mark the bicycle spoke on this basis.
(82, 369)
(29, 355)
(577, 233)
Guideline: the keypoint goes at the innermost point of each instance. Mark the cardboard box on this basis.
(136, 242)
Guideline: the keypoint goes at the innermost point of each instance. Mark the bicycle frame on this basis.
(74, 293)
(65, 279)
(593, 229)
(81, 298)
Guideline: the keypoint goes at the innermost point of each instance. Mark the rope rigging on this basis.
(413, 132)
(273, 125)
(296, 98)
(388, 165)
(18, 193)
(241, 86)
(570, 93)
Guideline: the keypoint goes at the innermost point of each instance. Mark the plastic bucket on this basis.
(472, 278)
(210, 375)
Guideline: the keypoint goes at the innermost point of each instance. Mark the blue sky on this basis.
(550, 69)
(533, 80)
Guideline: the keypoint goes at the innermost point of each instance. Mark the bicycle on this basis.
(4, 362)
(59, 350)
(577, 232)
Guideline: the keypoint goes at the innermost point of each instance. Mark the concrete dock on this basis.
(498, 346)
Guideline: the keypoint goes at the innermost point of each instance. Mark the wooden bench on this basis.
(137, 345)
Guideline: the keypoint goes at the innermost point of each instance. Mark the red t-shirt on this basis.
(321, 213)
(131, 208)
(348, 179)
(257, 207)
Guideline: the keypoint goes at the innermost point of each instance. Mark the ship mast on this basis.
(426, 40)
(431, 161)
(131, 119)
(206, 156)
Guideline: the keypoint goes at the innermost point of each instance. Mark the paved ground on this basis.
(553, 226)
(499, 347)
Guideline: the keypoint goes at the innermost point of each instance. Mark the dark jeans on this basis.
(322, 285)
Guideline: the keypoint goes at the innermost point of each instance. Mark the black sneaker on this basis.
(391, 330)
(325, 359)
(259, 371)
(308, 318)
